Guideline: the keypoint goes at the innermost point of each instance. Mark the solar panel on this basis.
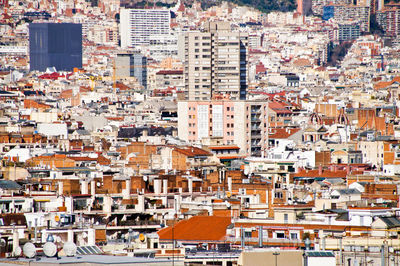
(89, 250)
(99, 251)
(92, 250)
(79, 251)
(320, 254)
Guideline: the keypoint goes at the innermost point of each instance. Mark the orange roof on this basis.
(198, 228)
(384, 84)
(193, 151)
(325, 173)
(225, 147)
(229, 157)
(282, 133)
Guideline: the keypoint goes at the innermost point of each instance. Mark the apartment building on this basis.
(348, 31)
(138, 25)
(132, 65)
(243, 123)
(318, 5)
(216, 63)
(389, 20)
(169, 78)
(345, 13)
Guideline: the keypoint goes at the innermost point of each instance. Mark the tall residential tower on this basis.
(216, 63)
(56, 45)
(138, 25)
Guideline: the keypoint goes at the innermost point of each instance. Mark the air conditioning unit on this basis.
(247, 205)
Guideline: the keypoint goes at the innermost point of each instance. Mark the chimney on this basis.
(84, 187)
(165, 186)
(320, 169)
(190, 184)
(93, 188)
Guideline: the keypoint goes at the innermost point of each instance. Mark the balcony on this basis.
(266, 240)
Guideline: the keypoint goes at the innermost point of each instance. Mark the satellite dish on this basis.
(18, 252)
(70, 249)
(50, 249)
(29, 250)
(2, 242)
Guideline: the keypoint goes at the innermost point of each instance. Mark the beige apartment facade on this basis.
(216, 63)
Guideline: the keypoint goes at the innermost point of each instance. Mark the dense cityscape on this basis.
(200, 133)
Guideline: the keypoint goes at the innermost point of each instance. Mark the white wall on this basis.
(318, 261)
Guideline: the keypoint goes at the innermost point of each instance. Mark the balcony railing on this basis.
(265, 240)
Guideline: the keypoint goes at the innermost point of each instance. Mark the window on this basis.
(293, 236)
(247, 234)
(280, 235)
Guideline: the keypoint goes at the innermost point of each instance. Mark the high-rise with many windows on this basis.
(216, 63)
(138, 25)
(56, 45)
(241, 123)
(132, 65)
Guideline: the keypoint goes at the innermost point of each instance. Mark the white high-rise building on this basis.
(138, 25)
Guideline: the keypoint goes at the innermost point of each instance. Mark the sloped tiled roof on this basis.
(282, 133)
(201, 228)
(391, 222)
(193, 151)
(325, 173)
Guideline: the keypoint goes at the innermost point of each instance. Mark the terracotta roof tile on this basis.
(203, 228)
(325, 173)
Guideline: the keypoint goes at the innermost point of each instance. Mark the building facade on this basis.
(242, 123)
(56, 45)
(139, 25)
(132, 65)
(216, 63)
(389, 20)
(346, 13)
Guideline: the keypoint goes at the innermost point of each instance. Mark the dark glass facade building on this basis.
(56, 45)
